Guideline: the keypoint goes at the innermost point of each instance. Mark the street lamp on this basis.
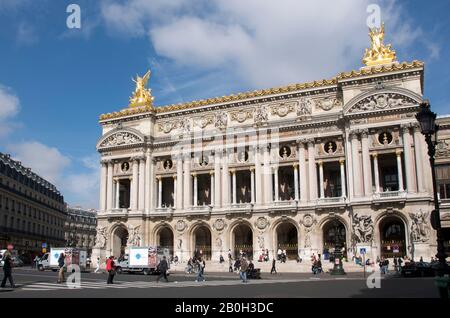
(338, 268)
(428, 127)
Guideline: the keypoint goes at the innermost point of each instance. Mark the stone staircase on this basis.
(288, 267)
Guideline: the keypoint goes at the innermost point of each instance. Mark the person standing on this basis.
(163, 266)
(201, 270)
(111, 269)
(7, 268)
(62, 268)
(395, 264)
(273, 270)
(279, 253)
(243, 269)
(97, 268)
(230, 264)
(36, 261)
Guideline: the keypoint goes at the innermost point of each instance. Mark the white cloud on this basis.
(264, 43)
(46, 161)
(9, 108)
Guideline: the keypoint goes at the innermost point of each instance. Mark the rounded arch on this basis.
(118, 239)
(396, 90)
(133, 136)
(165, 238)
(201, 240)
(334, 233)
(286, 236)
(241, 236)
(392, 235)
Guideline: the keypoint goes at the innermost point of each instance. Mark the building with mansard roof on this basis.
(32, 210)
(80, 228)
(305, 168)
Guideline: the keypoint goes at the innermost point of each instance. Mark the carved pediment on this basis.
(120, 138)
(381, 100)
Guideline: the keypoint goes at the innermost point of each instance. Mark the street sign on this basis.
(362, 251)
(44, 245)
(44, 250)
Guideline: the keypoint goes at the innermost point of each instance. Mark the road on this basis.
(31, 283)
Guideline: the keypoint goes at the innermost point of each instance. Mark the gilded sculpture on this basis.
(378, 53)
(142, 96)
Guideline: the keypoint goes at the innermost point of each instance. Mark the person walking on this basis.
(62, 268)
(111, 269)
(97, 268)
(230, 264)
(273, 270)
(201, 270)
(36, 261)
(163, 266)
(7, 268)
(243, 269)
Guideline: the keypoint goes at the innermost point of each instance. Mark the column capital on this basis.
(232, 171)
(275, 168)
(405, 127)
(105, 161)
(398, 152)
(194, 174)
(341, 161)
(353, 134)
(211, 173)
(174, 176)
(252, 169)
(310, 142)
(295, 165)
(364, 132)
(320, 163)
(374, 154)
(157, 178)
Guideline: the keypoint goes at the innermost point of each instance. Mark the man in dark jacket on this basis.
(163, 267)
(61, 265)
(7, 268)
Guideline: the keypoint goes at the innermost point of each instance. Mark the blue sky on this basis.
(55, 81)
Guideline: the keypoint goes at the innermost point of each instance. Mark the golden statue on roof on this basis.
(142, 96)
(378, 53)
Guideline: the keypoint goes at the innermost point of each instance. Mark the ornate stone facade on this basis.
(300, 168)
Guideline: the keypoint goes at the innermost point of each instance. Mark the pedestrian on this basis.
(111, 269)
(98, 265)
(36, 261)
(201, 270)
(163, 266)
(7, 267)
(386, 266)
(273, 270)
(62, 268)
(395, 264)
(279, 253)
(243, 269)
(221, 260)
(230, 263)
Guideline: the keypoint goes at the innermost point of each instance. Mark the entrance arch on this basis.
(334, 234)
(165, 239)
(119, 241)
(392, 237)
(287, 239)
(202, 242)
(243, 240)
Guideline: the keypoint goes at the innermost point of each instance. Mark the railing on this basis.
(120, 210)
(169, 209)
(389, 194)
(331, 200)
(285, 203)
(202, 208)
(241, 206)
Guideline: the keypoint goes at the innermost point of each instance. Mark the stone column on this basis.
(225, 180)
(376, 172)
(159, 191)
(117, 197)
(322, 190)
(357, 186)
(312, 171)
(276, 185)
(233, 173)
(343, 181)
(252, 185)
(258, 180)
(153, 185)
(103, 188)
(349, 166)
(217, 188)
(296, 181)
(400, 171)
(179, 183)
(418, 158)
(142, 188)
(134, 185)
(175, 191)
(302, 172)
(195, 199)
(187, 182)
(148, 181)
(366, 162)
(407, 151)
(211, 190)
(109, 187)
(268, 195)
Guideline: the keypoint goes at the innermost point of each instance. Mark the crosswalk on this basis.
(49, 286)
